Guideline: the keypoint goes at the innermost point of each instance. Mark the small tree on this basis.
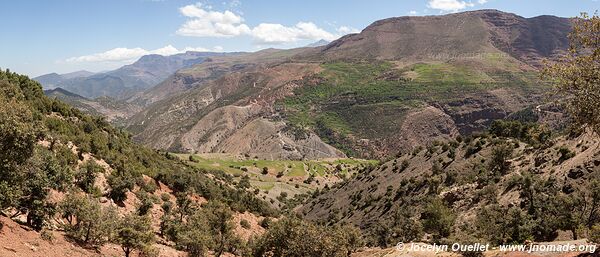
(499, 164)
(195, 238)
(219, 219)
(438, 218)
(88, 221)
(86, 175)
(134, 233)
(576, 76)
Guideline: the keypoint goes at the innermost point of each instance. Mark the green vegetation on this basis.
(273, 177)
(134, 233)
(350, 101)
(296, 238)
(198, 230)
(290, 168)
(88, 222)
(42, 141)
(576, 76)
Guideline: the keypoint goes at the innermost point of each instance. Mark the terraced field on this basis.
(272, 177)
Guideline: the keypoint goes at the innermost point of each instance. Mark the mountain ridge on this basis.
(127, 80)
(437, 68)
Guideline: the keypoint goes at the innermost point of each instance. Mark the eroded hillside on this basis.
(391, 87)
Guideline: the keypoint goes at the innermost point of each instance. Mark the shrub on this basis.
(500, 154)
(47, 236)
(595, 234)
(565, 154)
(265, 222)
(245, 224)
(438, 219)
(295, 238)
(134, 233)
(88, 222)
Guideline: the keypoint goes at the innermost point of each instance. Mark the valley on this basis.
(475, 127)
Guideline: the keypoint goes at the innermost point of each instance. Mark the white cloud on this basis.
(482, 1)
(122, 54)
(204, 22)
(269, 33)
(413, 12)
(449, 5)
(344, 30)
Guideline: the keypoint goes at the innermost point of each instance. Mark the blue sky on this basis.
(61, 36)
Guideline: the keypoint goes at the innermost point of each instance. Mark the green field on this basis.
(283, 175)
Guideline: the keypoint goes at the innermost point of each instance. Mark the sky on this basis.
(62, 36)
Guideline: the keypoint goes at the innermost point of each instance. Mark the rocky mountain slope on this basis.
(113, 110)
(399, 83)
(458, 35)
(68, 180)
(470, 177)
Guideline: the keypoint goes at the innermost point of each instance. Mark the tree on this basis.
(438, 219)
(501, 225)
(86, 176)
(134, 233)
(293, 237)
(576, 75)
(120, 184)
(195, 238)
(17, 140)
(499, 164)
(88, 222)
(219, 219)
(18, 133)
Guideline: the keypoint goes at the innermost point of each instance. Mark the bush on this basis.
(595, 234)
(86, 176)
(47, 236)
(194, 158)
(565, 154)
(438, 219)
(265, 222)
(88, 222)
(296, 238)
(134, 233)
(245, 224)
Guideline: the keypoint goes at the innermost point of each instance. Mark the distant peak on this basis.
(321, 42)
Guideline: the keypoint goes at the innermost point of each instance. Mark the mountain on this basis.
(424, 38)
(321, 42)
(113, 110)
(77, 74)
(53, 80)
(72, 165)
(400, 83)
(124, 82)
(479, 187)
